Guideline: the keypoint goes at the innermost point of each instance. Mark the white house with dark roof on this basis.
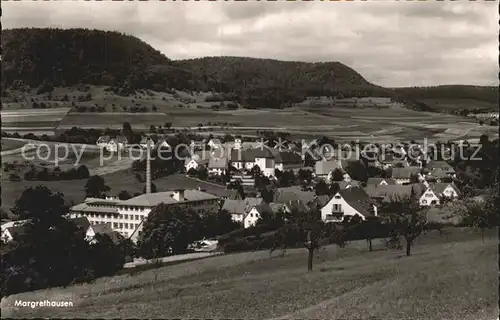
(116, 144)
(436, 191)
(348, 202)
(247, 159)
(126, 216)
(239, 208)
(323, 168)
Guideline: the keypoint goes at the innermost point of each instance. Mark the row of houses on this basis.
(350, 200)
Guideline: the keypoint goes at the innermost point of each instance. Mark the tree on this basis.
(321, 188)
(306, 228)
(202, 173)
(40, 205)
(406, 218)
(124, 195)
(482, 214)
(96, 187)
(169, 230)
(337, 175)
(237, 185)
(218, 224)
(83, 172)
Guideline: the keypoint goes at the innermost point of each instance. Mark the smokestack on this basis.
(148, 167)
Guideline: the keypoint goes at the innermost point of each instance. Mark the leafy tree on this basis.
(321, 188)
(124, 195)
(306, 228)
(202, 173)
(406, 218)
(337, 175)
(83, 172)
(237, 185)
(218, 224)
(96, 187)
(40, 205)
(169, 230)
(267, 194)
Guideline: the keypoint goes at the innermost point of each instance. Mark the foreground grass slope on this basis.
(447, 277)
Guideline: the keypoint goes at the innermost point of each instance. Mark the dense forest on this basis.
(38, 58)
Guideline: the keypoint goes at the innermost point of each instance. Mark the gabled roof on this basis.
(288, 157)
(299, 206)
(358, 199)
(215, 141)
(377, 181)
(324, 167)
(293, 193)
(348, 184)
(390, 192)
(103, 139)
(105, 228)
(241, 206)
(439, 164)
(17, 231)
(438, 173)
(233, 194)
(217, 163)
(81, 222)
(121, 139)
(249, 155)
(438, 188)
(405, 173)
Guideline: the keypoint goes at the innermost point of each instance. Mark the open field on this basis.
(73, 190)
(304, 120)
(11, 144)
(440, 104)
(447, 277)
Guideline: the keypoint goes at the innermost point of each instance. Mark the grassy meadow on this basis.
(451, 276)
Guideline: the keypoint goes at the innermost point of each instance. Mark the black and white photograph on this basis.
(250, 160)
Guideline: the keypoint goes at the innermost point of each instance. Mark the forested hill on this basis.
(291, 80)
(33, 58)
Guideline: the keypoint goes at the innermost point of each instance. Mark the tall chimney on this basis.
(148, 167)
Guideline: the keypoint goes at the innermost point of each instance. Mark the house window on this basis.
(428, 195)
(126, 216)
(337, 208)
(338, 197)
(115, 225)
(126, 225)
(251, 215)
(424, 201)
(121, 225)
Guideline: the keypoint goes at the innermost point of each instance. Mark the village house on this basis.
(194, 163)
(387, 193)
(214, 143)
(103, 141)
(287, 160)
(324, 168)
(126, 216)
(217, 166)
(348, 202)
(147, 141)
(442, 166)
(404, 175)
(380, 181)
(239, 208)
(293, 194)
(117, 144)
(247, 159)
(436, 191)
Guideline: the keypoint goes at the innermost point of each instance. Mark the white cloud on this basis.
(389, 43)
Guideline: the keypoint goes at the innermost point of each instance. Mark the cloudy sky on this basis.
(389, 43)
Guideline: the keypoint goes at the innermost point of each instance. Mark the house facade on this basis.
(126, 216)
(348, 202)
